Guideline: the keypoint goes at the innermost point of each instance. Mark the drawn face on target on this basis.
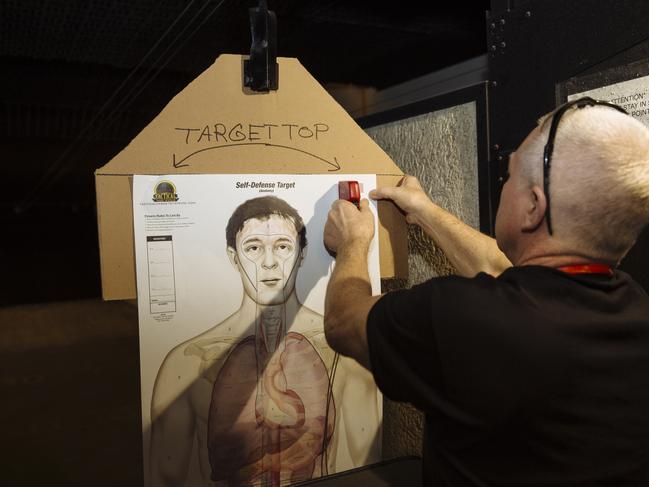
(267, 257)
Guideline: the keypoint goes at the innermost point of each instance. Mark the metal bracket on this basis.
(261, 72)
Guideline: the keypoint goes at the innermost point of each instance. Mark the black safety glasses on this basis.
(549, 147)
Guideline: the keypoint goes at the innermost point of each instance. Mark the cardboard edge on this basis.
(393, 234)
(99, 236)
(117, 257)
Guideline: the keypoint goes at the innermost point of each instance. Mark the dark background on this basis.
(80, 78)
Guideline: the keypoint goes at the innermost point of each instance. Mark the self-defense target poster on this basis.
(239, 386)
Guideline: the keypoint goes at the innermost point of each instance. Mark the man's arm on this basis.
(348, 301)
(468, 250)
(172, 423)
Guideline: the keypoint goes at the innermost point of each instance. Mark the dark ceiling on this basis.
(360, 42)
(80, 78)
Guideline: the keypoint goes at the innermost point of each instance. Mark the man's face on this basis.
(267, 257)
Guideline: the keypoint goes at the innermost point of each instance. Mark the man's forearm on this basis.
(348, 301)
(468, 250)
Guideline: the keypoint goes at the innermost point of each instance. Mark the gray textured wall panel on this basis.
(440, 149)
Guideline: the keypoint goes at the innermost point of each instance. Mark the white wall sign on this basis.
(632, 95)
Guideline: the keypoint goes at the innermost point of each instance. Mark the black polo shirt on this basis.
(534, 378)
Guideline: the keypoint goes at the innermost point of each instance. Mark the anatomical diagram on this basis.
(253, 398)
(276, 434)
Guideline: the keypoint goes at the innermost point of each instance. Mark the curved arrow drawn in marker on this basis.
(182, 163)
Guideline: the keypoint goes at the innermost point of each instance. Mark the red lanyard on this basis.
(587, 269)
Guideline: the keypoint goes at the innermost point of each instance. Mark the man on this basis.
(256, 393)
(532, 365)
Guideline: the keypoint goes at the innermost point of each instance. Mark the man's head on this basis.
(599, 187)
(266, 241)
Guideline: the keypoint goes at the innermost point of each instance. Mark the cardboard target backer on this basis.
(214, 126)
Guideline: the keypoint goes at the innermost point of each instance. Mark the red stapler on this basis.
(350, 191)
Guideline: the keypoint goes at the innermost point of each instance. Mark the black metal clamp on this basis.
(261, 72)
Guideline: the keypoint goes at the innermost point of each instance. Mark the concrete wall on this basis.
(440, 149)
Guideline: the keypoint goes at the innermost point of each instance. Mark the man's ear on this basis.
(232, 255)
(534, 208)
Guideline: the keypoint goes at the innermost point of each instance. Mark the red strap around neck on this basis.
(587, 269)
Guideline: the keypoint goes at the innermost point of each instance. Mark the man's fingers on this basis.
(338, 204)
(393, 193)
(364, 205)
(385, 193)
(410, 182)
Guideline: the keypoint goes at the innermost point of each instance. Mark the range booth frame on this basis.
(218, 96)
(540, 52)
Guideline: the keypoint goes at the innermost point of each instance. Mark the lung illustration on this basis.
(271, 414)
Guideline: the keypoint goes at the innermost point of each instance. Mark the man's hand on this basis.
(408, 195)
(346, 224)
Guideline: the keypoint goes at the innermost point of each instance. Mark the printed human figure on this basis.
(257, 398)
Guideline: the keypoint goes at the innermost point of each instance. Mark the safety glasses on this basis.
(549, 146)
